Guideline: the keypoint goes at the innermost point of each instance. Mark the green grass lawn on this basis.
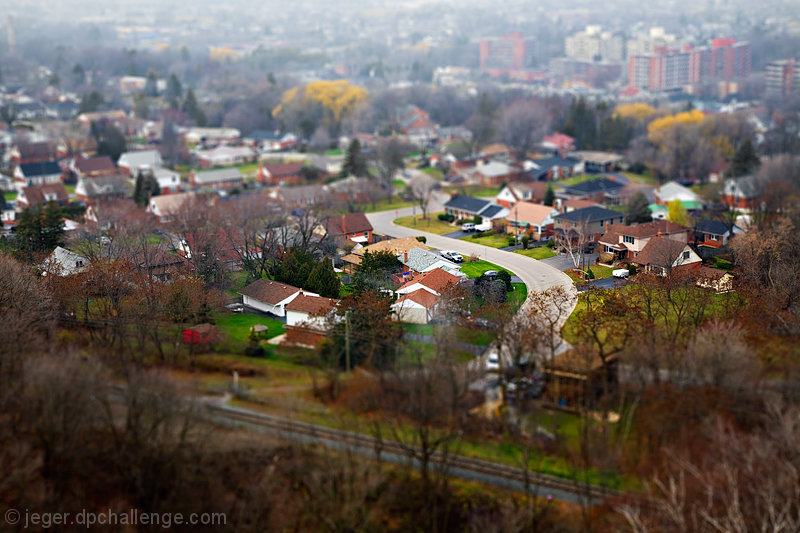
(399, 184)
(494, 241)
(238, 280)
(431, 225)
(70, 189)
(542, 252)
(433, 172)
(385, 204)
(643, 179)
(474, 270)
(235, 328)
(599, 271)
(12, 195)
(333, 152)
(578, 178)
(517, 297)
(472, 190)
(248, 169)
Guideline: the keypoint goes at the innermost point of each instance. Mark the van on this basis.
(469, 226)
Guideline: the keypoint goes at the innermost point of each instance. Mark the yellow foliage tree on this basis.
(677, 213)
(638, 111)
(657, 129)
(336, 98)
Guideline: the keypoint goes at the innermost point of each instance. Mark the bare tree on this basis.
(523, 123)
(422, 188)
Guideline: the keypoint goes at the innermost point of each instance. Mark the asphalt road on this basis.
(536, 275)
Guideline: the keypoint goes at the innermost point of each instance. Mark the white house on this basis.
(419, 261)
(167, 206)
(270, 296)
(434, 281)
(63, 262)
(131, 162)
(416, 307)
(309, 311)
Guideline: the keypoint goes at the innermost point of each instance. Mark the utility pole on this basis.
(347, 341)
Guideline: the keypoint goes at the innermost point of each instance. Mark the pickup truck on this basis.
(486, 226)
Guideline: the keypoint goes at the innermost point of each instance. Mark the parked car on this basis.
(468, 226)
(486, 226)
(493, 361)
(455, 257)
(620, 273)
(235, 308)
(491, 274)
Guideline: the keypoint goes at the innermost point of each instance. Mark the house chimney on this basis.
(405, 257)
(344, 224)
(607, 227)
(659, 234)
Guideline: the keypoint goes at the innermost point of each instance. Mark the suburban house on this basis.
(626, 242)
(435, 281)
(156, 261)
(742, 193)
(301, 196)
(399, 247)
(528, 216)
(169, 181)
(419, 297)
(225, 156)
(270, 296)
(553, 168)
(226, 178)
(602, 191)
(310, 311)
(63, 262)
(30, 174)
(467, 207)
(511, 193)
(211, 136)
(352, 226)
(591, 221)
(165, 207)
(671, 191)
(662, 254)
(25, 152)
(417, 307)
(565, 206)
(419, 261)
(272, 141)
(101, 188)
(493, 174)
(416, 123)
(495, 150)
(598, 162)
(713, 233)
(42, 194)
(92, 166)
(131, 162)
(558, 142)
(281, 173)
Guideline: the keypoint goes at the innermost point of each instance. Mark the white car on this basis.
(468, 226)
(493, 361)
(620, 273)
(453, 256)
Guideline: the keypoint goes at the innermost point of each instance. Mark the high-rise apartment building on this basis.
(783, 78)
(507, 52)
(593, 44)
(668, 68)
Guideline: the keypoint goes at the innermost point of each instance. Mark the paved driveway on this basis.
(457, 234)
(606, 283)
(563, 261)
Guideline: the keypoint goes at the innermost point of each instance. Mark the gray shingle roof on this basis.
(590, 214)
(466, 203)
(714, 227)
(419, 260)
(215, 176)
(595, 186)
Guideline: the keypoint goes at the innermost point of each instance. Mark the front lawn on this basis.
(542, 252)
(431, 225)
(599, 271)
(477, 191)
(474, 270)
(10, 196)
(248, 169)
(235, 328)
(433, 172)
(517, 297)
(492, 240)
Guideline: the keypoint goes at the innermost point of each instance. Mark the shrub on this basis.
(512, 241)
(631, 269)
(551, 243)
(477, 219)
(723, 264)
(473, 258)
(446, 217)
(422, 238)
(525, 240)
(589, 273)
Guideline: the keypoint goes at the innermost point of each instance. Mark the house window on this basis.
(686, 255)
(627, 239)
(715, 237)
(366, 234)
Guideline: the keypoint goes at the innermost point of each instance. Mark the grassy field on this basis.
(10, 196)
(578, 178)
(493, 241)
(248, 169)
(399, 184)
(542, 252)
(70, 189)
(642, 179)
(517, 297)
(235, 328)
(431, 225)
(474, 270)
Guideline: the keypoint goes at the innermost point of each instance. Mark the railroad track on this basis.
(457, 465)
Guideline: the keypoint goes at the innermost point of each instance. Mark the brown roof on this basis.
(424, 298)
(313, 305)
(529, 212)
(436, 279)
(495, 149)
(268, 291)
(284, 169)
(660, 251)
(94, 165)
(538, 189)
(349, 223)
(396, 246)
(648, 229)
(42, 194)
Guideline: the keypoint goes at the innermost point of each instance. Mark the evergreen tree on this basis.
(295, 268)
(549, 196)
(323, 280)
(145, 186)
(354, 162)
(52, 227)
(39, 231)
(91, 102)
(151, 85)
(638, 209)
(744, 161)
(193, 109)
(174, 91)
(110, 140)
